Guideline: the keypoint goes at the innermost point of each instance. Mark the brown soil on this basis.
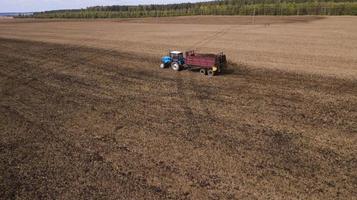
(206, 20)
(5, 18)
(223, 20)
(316, 45)
(94, 123)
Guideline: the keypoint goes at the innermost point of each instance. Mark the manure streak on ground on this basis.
(82, 122)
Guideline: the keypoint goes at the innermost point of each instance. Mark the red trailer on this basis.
(208, 64)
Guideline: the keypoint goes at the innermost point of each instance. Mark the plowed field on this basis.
(86, 113)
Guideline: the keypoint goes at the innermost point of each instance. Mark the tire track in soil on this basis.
(192, 129)
(212, 37)
(192, 122)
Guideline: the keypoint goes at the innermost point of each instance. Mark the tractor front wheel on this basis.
(175, 66)
(162, 65)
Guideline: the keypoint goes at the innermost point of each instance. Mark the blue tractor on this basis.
(175, 59)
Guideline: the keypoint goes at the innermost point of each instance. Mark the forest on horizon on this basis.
(218, 7)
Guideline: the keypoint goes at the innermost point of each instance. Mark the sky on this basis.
(42, 5)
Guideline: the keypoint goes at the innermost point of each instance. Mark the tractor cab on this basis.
(175, 59)
(176, 56)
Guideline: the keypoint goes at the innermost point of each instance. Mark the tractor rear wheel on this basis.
(203, 71)
(210, 73)
(175, 66)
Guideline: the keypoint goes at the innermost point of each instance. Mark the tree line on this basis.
(220, 7)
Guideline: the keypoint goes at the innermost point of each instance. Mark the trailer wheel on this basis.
(210, 73)
(175, 66)
(203, 71)
(162, 66)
